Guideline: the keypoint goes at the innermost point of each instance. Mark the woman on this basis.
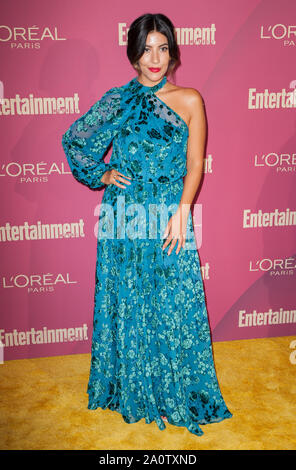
(151, 347)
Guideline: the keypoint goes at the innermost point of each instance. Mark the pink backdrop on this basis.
(56, 49)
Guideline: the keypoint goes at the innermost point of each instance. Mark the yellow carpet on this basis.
(44, 405)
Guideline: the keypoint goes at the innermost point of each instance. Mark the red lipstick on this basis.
(152, 69)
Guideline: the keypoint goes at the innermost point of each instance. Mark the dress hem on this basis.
(190, 429)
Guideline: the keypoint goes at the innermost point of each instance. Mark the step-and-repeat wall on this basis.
(240, 55)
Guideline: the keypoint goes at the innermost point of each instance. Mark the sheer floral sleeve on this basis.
(88, 138)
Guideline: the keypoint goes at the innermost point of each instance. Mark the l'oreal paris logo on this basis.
(19, 36)
(39, 282)
(32, 172)
(276, 267)
(286, 33)
(284, 163)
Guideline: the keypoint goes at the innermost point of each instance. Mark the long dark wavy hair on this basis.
(137, 35)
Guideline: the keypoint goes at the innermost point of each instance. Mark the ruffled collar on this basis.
(137, 87)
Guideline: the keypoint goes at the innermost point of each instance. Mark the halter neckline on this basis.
(153, 88)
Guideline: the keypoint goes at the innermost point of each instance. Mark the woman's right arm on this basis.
(88, 138)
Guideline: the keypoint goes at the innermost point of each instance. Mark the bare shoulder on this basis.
(188, 98)
(192, 97)
(185, 101)
(189, 94)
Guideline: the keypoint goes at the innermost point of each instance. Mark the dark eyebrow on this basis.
(165, 44)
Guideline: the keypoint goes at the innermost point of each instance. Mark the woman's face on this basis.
(155, 60)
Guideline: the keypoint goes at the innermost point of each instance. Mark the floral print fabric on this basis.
(151, 347)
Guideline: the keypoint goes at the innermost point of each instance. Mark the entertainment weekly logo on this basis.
(268, 99)
(266, 318)
(185, 36)
(275, 218)
(279, 32)
(41, 231)
(45, 335)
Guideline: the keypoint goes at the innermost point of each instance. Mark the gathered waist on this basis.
(163, 180)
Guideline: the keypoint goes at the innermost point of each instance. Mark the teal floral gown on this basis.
(151, 348)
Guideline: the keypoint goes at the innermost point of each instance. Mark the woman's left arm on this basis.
(195, 155)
